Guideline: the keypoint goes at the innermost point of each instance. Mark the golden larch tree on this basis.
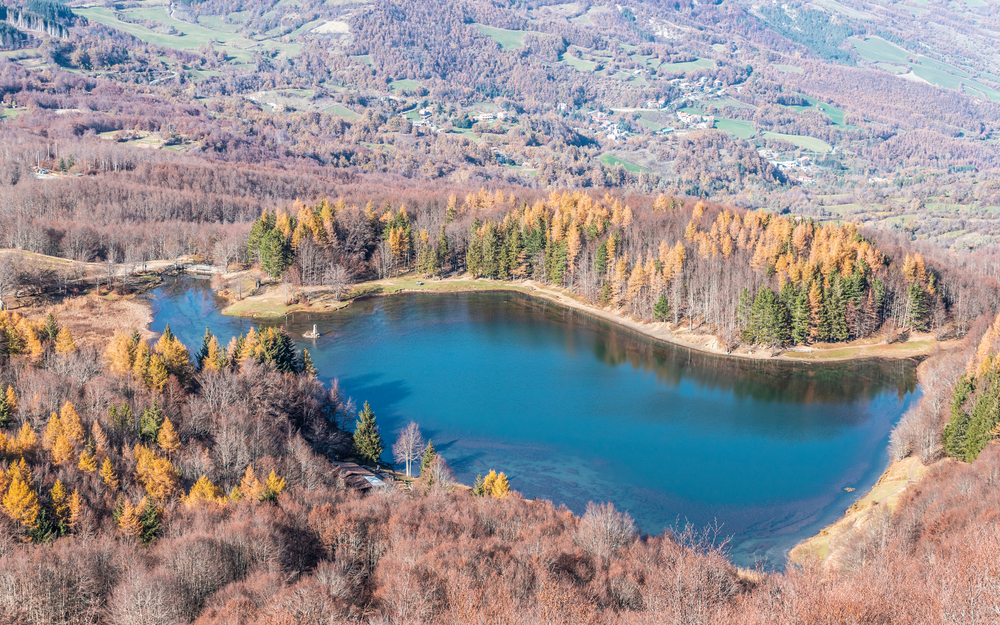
(204, 491)
(100, 439)
(75, 510)
(167, 439)
(273, 486)
(88, 463)
(60, 502)
(128, 521)
(108, 475)
(21, 500)
(71, 424)
(53, 431)
(250, 487)
(63, 452)
(26, 441)
(64, 341)
(11, 399)
(119, 353)
(156, 474)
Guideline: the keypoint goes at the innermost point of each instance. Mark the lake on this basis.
(574, 409)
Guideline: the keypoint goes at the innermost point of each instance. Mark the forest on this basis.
(804, 119)
(748, 277)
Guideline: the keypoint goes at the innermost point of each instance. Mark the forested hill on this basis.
(853, 112)
(747, 276)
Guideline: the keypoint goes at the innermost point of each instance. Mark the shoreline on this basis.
(825, 548)
(916, 346)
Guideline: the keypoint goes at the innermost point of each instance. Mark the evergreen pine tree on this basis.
(428, 458)
(601, 259)
(800, 318)
(918, 307)
(477, 486)
(51, 329)
(367, 439)
(203, 352)
(149, 521)
(954, 435)
(5, 411)
(150, 422)
(661, 310)
(983, 418)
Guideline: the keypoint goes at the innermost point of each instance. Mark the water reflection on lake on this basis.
(574, 408)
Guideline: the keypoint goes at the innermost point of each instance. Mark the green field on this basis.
(877, 49)
(191, 36)
(807, 143)
(508, 39)
(366, 59)
(737, 127)
(403, 85)
(611, 161)
(7, 113)
(215, 22)
(933, 71)
(689, 66)
(579, 64)
(341, 111)
(835, 114)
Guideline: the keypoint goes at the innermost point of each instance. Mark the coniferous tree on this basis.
(984, 417)
(203, 352)
(150, 422)
(954, 435)
(743, 309)
(5, 412)
(64, 341)
(428, 458)
(149, 521)
(167, 438)
(51, 328)
(367, 439)
(308, 367)
(918, 307)
(661, 310)
(477, 486)
(275, 254)
(800, 318)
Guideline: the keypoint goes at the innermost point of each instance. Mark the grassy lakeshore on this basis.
(269, 304)
(826, 548)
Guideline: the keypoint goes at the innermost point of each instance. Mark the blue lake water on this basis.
(576, 409)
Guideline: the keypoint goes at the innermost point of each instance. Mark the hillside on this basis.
(827, 109)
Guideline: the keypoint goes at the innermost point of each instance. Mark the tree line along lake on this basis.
(575, 409)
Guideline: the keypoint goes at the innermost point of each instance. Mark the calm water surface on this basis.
(575, 409)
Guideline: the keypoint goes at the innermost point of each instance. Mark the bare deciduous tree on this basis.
(409, 446)
(604, 530)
